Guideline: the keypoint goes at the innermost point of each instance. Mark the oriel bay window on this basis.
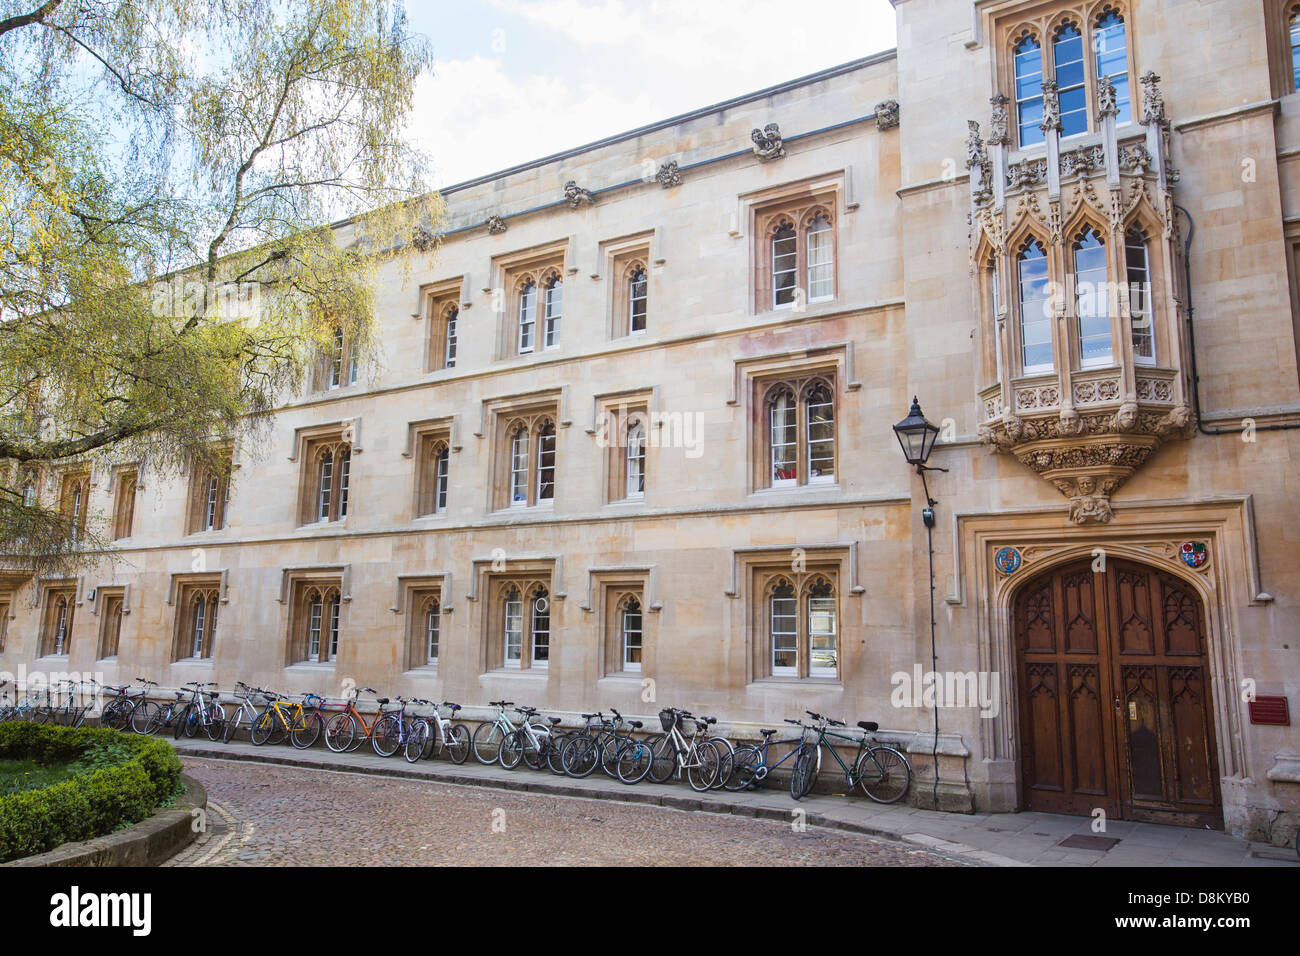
(1105, 293)
(1075, 54)
(798, 625)
(799, 432)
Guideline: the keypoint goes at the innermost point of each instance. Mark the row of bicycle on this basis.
(686, 746)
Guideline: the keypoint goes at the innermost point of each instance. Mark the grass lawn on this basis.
(19, 775)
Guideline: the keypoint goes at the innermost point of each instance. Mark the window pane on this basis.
(822, 633)
(519, 469)
(1112, 60)
(527, 317)
(785, 636)
(638, 297)
(784, 261)
(1139, 298)
(554, 308)
(514, 638)
(821, 264)
(1092, 302)
(635, 462)
(199, 608)
(313, 629)
(345, 473)
(1295, 51)
(440, 493)
(1035, 310)
(546, 463)
(1029, 91)
(1067, 50)
(334, 628)
(781, 412)
(632, 636)
(326, 486)
(450, 358)
(541, 628)
(821, 435)
(433, 628)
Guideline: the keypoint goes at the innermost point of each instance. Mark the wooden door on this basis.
(1114, 695)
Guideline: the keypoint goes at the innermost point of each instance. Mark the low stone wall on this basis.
(148, 843)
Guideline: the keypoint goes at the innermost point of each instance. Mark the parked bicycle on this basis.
(433, 733)
(674, 753)
(345, 731)
(117, 712)
(882, 773)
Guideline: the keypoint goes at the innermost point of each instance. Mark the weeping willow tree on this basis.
(169, 174)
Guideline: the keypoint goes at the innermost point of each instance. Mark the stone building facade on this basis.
(628, 443)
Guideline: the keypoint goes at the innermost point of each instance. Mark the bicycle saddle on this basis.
(635, 725)
(553, 720)
(382, 700)
(767, 733)
(868, 725)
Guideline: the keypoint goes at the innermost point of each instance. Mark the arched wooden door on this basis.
(1114, 695)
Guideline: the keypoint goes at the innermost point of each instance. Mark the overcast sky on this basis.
(518, 79)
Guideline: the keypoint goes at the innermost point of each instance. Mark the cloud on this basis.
(572, 72)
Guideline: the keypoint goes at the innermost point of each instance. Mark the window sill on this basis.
(794, 489)
(515, 673)
(312, 665)
(815, 683)
(423, 670)
(624, 677)
(194, 660)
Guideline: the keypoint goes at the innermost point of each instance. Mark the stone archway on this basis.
(1113, 687)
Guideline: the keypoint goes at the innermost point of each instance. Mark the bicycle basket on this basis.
(667, 718)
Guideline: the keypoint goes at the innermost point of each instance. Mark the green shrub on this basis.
(121, 780)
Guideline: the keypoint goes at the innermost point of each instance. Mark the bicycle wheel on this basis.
(725, 753)
(741, 773)
(458, 743)
(232, 724)
(580, 757)
(884, 774)
(704, 769)
(216, 725)
(805, 771)
(555, 753)
(663, 757)
(306, 730)
(486, 743)
(387, 736)
(263, 727)
(340, 732)
(609, 746)
(532, 754)
(111, 717)
(142, 716)
(416, 741)
(634, 761)
(512, 750)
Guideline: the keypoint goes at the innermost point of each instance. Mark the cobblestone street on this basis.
(275, 815)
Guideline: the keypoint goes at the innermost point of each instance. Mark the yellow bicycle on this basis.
(282, 716)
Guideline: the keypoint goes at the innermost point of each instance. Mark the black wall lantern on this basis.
(916, 436)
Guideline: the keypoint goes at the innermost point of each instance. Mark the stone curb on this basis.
(625, 794)
(148, 843)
